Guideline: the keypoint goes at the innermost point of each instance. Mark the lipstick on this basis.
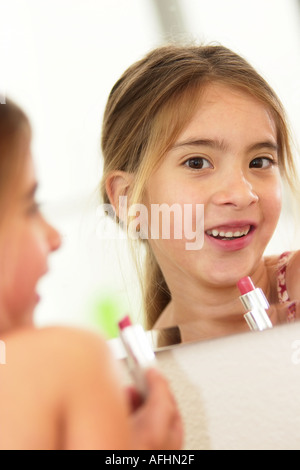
(255, 304)
(140, 355)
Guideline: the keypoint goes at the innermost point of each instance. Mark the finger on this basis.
(161, 399)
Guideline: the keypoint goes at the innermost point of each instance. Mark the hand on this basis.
(156, 422)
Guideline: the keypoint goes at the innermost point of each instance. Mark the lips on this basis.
(231, 236)
(229, 232)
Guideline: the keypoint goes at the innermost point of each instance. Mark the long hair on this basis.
(147, 109)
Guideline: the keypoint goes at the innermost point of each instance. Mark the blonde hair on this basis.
(150, 105)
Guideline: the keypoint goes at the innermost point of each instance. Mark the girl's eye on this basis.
(198, 163)
(262, 162)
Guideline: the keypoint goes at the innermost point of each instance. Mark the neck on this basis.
(7, 325)
(210, 310)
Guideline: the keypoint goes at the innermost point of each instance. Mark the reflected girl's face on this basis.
(26, 240)
(226, 159)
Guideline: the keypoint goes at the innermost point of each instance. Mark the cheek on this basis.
(177, 230)
(174, 213)
(272, 205)
(26, 266)
(32, 255)
(25, 262)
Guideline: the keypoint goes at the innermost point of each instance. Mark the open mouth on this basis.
(229, 234)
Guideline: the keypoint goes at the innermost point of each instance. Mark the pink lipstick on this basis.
(140, 355)
(232, 236)
(255, 304)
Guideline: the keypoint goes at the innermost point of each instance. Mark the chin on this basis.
(224, 280)
(228, 274)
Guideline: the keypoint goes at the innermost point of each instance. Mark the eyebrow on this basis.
(268, 144)
(216, 144)
(221, 145)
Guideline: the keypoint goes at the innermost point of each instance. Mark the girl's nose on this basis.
(235, 190)
(54, 238)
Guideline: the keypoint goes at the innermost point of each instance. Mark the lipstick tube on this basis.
(255, 304)
(140, 355)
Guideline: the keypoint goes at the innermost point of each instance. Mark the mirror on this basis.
(191, 332)
(73, 71)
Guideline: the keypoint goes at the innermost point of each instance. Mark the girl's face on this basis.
(26, 240)
(226, 159)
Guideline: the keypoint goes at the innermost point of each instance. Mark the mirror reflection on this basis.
(259, 315)
(195, 331)
(198, 160)
(216, 143)
(190, 332)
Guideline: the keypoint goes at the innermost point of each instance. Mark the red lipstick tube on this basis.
(255, 304)
(140, 355)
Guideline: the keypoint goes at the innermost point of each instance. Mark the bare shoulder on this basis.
(50, 375)
(292, 276)
(271, 261)
(49, 345)
(54, 361)
(292, 262)
(52, 358)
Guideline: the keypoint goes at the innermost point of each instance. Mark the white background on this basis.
(59, 60)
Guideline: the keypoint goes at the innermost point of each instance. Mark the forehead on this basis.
(222, 110)
(28, 174)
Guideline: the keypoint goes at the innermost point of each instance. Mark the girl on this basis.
(198, 125)
(59, 387)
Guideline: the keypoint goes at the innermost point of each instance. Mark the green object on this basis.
(107, 311)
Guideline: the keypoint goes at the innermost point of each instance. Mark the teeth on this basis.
(238, 233)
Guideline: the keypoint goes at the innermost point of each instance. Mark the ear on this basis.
(118, 183)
